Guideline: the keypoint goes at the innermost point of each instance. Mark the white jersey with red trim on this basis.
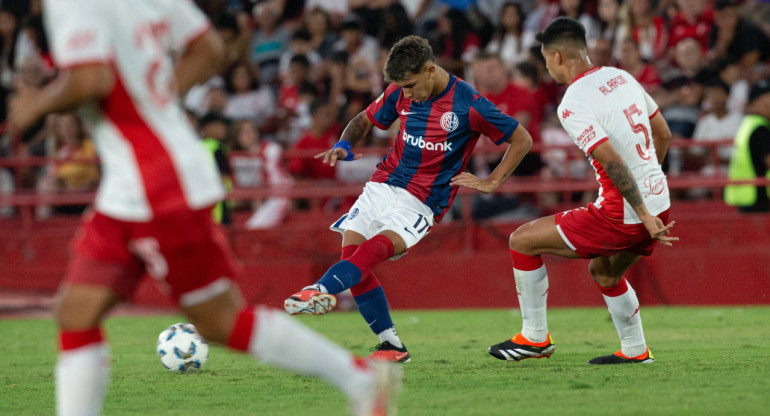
(609, 104)
(153, 162)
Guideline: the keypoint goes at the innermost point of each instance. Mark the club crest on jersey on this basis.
(449, 121)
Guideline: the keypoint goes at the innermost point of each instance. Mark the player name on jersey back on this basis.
(612, 84)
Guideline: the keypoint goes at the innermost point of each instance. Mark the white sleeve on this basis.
(76, 33)
(187, 23)
(652, 106)
(581, 124)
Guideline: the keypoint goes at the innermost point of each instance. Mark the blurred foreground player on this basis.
(619, 127)
(442, 118)
(152, 211)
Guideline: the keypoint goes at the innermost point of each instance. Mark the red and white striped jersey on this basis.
(153, 162)
(607, 103)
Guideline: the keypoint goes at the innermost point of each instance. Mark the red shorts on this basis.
(186, 254)
(591, 234)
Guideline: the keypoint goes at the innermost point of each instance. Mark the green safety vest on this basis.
(741, 166)
(218, 212)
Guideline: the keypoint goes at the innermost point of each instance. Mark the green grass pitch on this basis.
(709, 361)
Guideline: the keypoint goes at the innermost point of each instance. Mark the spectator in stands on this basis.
(268, 42)
(680, 97)
(235, 31)
(322, 39)
(335, 10)
(630, 60)
(75, 167)
(385, 20)
(322, 134)
(751, 154)
(730, 73)
(600, 51)
(32, 43)
(639, 22)
(213, 129)
(362, 74)
(259, 163)
(511, 41)
(215, 99)
(246, 97)
(717, 124)
(300, 45)
(454, 42)
(693, 20)
(513, 99)
(294, 97)
(609, 20)
(576, 9)
(737, 38)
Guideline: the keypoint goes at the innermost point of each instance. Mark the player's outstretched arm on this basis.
(71, 88)
(621, 176)
(518, 145)
(661, 136)
(201, 59)
(356, 130)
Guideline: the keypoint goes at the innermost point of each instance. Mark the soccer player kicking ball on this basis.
(153, 209)
(618, 126)
(441, 117)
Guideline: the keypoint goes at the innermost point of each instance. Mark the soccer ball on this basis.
(181, 348)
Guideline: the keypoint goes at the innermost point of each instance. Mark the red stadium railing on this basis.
(316, 190)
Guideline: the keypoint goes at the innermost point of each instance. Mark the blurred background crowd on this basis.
(298, 70)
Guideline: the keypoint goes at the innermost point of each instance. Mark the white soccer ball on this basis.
(181, 348)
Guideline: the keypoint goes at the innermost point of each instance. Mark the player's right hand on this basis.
(658, 230)
(330, 156)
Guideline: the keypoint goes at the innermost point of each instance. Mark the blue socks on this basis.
(342, 275)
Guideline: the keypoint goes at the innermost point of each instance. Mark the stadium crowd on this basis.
(298, 70)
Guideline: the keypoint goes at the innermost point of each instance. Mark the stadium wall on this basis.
(722, 258)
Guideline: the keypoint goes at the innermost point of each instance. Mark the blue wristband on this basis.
(346, 146)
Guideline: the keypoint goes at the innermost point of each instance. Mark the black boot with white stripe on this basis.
(519, 348)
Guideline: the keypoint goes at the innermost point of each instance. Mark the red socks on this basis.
(242, 330)
(525, 262)
(617, 290)
(371, 253)
(70, 340)
(368, 282)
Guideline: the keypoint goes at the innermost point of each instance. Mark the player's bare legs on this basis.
(623, 306)
(540, 237)
(276, 339)
(527, 243)
(83, 366)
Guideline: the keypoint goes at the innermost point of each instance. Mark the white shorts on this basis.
(384, 207)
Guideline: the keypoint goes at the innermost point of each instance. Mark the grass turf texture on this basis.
(709, 361)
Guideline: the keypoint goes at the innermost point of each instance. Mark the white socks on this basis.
(283, 342)
(532, 291)
(624, 309)
(82, 375)
(390, 336)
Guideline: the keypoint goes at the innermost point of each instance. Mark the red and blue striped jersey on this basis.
(435, 140)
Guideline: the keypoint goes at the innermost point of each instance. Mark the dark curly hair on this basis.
(407, 57)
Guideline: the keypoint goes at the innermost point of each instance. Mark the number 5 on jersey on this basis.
(639, 128)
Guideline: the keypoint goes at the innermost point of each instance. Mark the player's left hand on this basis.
(21, 109)
(658, 230)
(472, 181)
